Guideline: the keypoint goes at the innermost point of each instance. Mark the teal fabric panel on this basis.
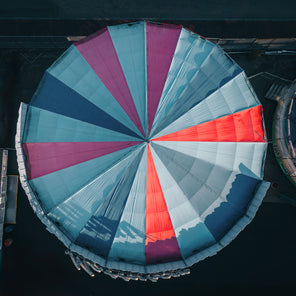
(129, 241)
(55, 96)
(129, 43)
(98, 233)
(46, 126)
(54, 188)
(233, 96)
(73, 70)
(73, 213)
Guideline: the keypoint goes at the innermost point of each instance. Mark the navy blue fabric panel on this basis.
(55, 96)
(241, 192)
(99, 232)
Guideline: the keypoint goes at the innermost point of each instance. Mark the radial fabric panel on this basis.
(144, 146)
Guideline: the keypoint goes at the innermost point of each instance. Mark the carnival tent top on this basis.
(142, 150)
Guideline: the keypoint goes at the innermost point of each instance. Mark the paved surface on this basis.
(211, 28)
(261, 261)
(165, 9)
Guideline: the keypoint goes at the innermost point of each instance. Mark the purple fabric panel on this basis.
(99, 52)
(162, 251)
(46, 158)
(161, 44)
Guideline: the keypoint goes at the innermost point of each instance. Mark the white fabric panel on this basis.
(229, 155)
(232, 97)
(189, 229)
(179, 207)
(190, 53)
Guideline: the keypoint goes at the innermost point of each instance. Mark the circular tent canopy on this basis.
(142, 150)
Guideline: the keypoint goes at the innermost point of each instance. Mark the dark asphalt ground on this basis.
(165, 9)
(260, 261)
(211, 18)
(210, 28)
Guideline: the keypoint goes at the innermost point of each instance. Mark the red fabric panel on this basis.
(160, 242)
(161, 44)
(243, 126)
(98, 50)
(46, 158)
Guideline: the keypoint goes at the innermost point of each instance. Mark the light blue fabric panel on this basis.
(46, 126)
(129, 43)
(98, 233)
(77, 209)
(190, 53)
(73, 70)
(216, 70)
(193, 176)
(129, 241)
(192, 235)
(233, 156)
(56, 187)
(233, 96)
(208, 187)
